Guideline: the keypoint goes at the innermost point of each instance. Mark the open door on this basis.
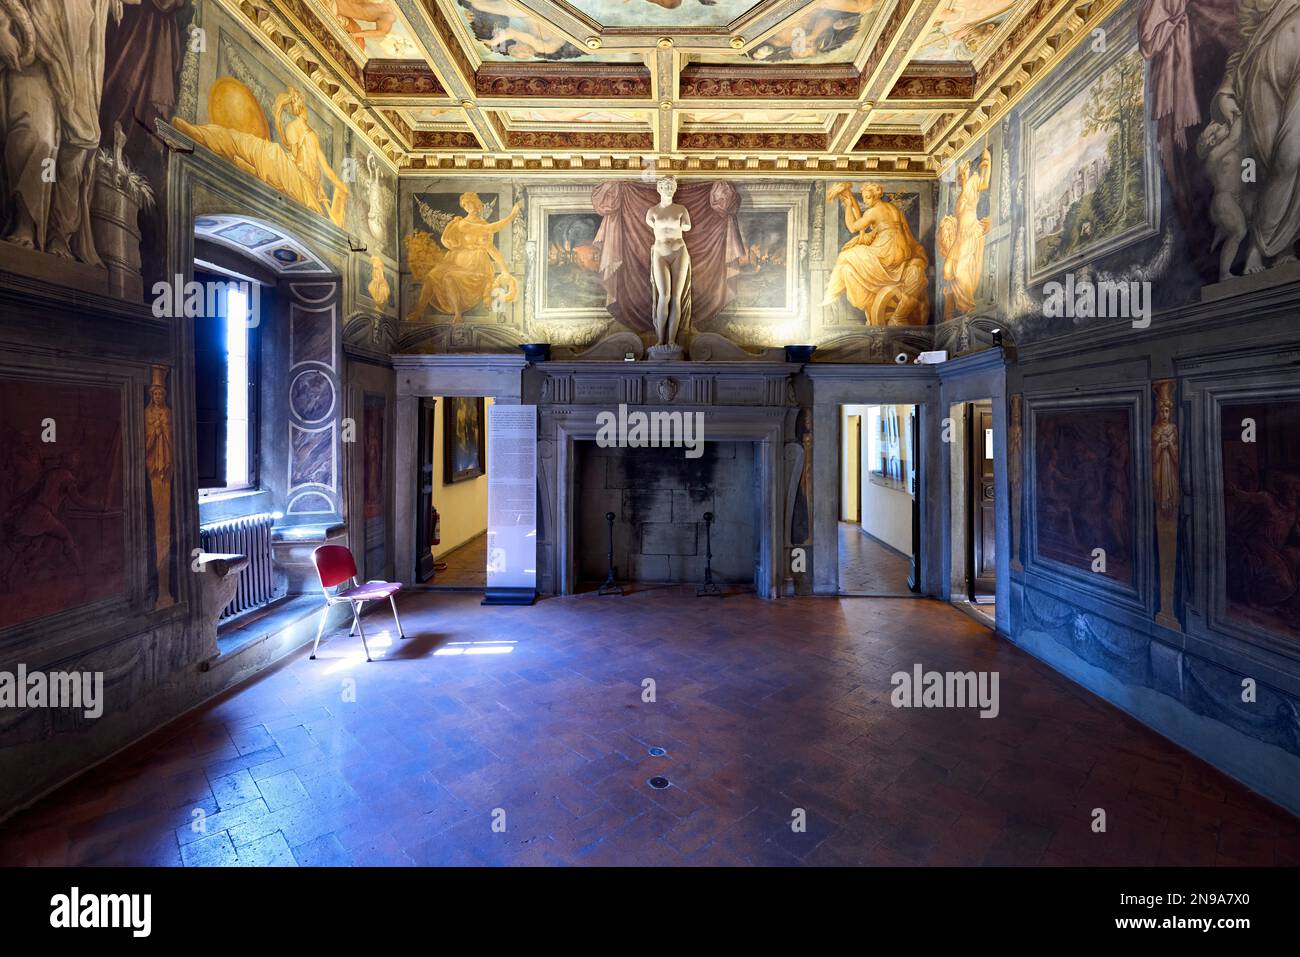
(914, 572)
(424, 534)
(982, 527)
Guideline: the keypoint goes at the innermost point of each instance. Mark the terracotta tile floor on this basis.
(763, 708)
(466, 565)
(867, 567)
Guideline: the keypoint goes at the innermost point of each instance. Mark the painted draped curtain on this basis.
(624, 241)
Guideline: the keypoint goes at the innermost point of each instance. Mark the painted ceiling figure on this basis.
(961, 240)
(828, 25)
(458, 277)
(882, 268)
(505, 28)
(52, 69)
(353, 13)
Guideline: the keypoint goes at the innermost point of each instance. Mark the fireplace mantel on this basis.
(664, 384)
(738, 402)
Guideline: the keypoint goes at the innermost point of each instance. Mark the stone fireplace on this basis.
(747, 474)
(659, 498)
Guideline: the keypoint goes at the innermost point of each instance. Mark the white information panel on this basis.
(512, 504)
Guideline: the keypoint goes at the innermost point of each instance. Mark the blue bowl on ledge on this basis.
(799, 353)
(536, 351)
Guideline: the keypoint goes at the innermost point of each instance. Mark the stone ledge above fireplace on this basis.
(661, 383)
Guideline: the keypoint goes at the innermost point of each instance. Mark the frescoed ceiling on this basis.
(890, 86)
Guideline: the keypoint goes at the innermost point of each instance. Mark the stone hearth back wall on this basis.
(659, 498)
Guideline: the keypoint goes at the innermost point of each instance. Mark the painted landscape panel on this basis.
(1088, 168)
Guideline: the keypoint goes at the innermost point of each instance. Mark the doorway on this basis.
(879, 526)
(974, 508)
(451, 492)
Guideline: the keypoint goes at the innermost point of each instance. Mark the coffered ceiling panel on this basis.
(674, 14)
(889, 86)
(572, 116)
(962, 30)
(369, 29)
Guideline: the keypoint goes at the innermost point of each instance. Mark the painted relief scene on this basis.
(1084, 498)
(62, 507)
(1261, 514)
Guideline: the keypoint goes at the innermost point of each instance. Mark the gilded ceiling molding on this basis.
(890, 143)
(304, 18)
(900, 167)
(889, 54)
(430, 139)
(279, 36)
(1033, 67)
(562, 140)
(934, 86)
(450, 44)
(444, 140)
(401, 78)
(604, 81)
(759, 81)
(1029, 22)
(718, 140)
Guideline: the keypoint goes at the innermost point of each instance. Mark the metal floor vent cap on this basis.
(658, 783)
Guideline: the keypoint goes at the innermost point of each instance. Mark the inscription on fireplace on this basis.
(747, 391)
(587, 389)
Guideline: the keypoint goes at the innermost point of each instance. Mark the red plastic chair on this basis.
(334, 566)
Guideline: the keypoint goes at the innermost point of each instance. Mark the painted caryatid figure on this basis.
(881, 270)
(160, 459)
(961, 240)
(670, 264)
(1166, 479)
(468, 269)
(51, 81)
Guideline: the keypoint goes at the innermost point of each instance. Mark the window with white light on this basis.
(226, 385)
(238, 387)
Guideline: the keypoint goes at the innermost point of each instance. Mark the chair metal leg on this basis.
(320, 629)
(357, 618)
(400, 633)
(352, 629)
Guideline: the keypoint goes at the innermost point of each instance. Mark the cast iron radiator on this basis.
(251, 536)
